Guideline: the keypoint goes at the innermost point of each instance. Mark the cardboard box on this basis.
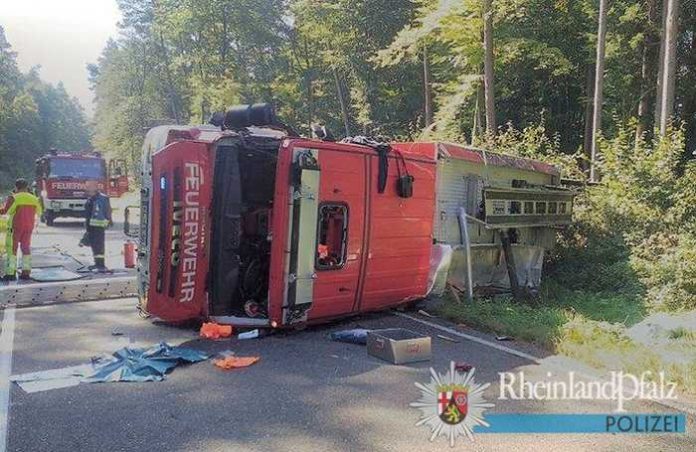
(398, 345)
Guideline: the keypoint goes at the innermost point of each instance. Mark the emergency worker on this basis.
(21, 208)
(97, 219)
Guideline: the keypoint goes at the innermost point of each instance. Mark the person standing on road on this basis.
(97, 219)
(21, 208)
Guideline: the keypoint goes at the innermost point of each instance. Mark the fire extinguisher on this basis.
(129, 254)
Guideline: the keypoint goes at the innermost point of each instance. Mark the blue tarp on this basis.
(142, 364)
(355, 336)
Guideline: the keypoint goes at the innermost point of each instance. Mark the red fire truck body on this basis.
(254, 228)
(231, 213)
(61, 178)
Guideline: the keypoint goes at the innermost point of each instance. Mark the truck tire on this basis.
(49, 217)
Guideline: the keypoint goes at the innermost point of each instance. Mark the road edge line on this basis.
(469, 337)
(534, 359)
(6, 344)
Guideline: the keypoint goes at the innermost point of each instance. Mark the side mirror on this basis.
(131, 221)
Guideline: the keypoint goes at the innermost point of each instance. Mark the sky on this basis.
(62, 36)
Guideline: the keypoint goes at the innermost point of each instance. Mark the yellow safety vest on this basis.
(23, 199)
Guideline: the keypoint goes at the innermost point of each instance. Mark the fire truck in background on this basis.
(61, 178)
(246, 223)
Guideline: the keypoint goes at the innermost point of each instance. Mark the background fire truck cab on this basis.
(254, 227)
(61, 178)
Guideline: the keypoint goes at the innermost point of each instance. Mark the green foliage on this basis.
(540, 325)
(640, 203)
(535, 142)
(34, 116)
(630, 253)
(179, 61)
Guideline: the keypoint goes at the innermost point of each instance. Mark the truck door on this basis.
(117, 183)
(326, 220)
(178, 227)
(340, 229)
(399, 238)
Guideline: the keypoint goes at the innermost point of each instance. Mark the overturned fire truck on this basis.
(250, 225)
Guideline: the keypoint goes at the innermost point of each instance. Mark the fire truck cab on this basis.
(255, 227)
(61, 178)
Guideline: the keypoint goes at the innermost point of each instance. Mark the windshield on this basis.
(77, 168)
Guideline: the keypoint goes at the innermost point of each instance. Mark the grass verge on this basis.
(589, 326)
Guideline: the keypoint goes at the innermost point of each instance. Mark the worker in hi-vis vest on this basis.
(97, 219)
(21, 208)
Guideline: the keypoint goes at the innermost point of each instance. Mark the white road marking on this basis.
(548, 362)
(6, 342)
(469, 337)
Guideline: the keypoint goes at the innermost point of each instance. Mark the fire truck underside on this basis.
(244, 185)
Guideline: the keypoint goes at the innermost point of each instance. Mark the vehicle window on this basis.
(332, 236)
(515, 207)
(77, 168)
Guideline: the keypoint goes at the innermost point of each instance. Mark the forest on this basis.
(34, 117)
(358, 66)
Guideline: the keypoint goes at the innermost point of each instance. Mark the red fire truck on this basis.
(253, 226)
(61, 178)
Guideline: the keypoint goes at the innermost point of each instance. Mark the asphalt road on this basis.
(65, 234)
(306, 393)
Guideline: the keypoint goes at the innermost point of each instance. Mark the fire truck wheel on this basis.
(49, 218)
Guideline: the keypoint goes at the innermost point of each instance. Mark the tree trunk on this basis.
(173, 97)
(488, 66)
(428, 95)
(670, 64)
(645, 77)
(342, 102)
(688, 110)
(478, 118)
(661, 67)
(598, 86)
(589, 93)
(310, 101)
(643, 102)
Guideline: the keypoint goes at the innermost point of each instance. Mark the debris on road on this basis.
(253, 334)
(447, 338)
(52, 379)
(54, 273)
(142, 364)
(126, 364)
(354, 336)
(235, 362)
(422, 312)
(398, 345)
(462, 367)
(215, 331)
(503, 338)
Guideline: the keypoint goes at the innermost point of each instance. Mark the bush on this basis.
(669, 270)
(638, 224)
